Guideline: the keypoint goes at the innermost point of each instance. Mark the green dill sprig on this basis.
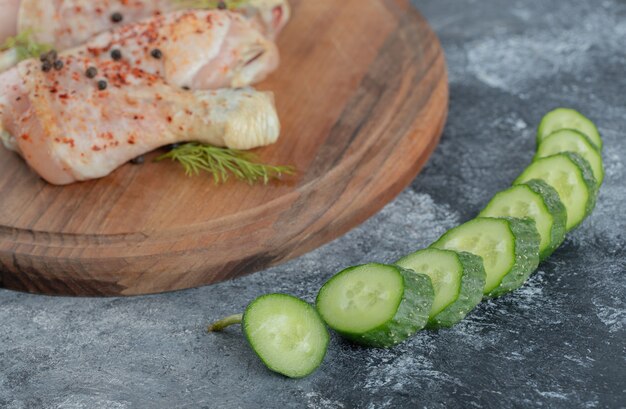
(213, 4)
(223, 162)
(25, 46)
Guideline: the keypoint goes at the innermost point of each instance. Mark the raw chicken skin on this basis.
(8, 18)
(68, 130)
(200, 49)
(68, 23)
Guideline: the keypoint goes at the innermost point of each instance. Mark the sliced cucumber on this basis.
(458, 280)
(376, 305)
(571, 176)
(568, 140)
(509, 248)
(538, 201)
(286, 333)
(565, 118)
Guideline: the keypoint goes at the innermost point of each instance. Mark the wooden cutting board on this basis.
(362, 94)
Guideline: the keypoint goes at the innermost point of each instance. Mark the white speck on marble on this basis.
(509, 63)
(613, 318)
(316, 400)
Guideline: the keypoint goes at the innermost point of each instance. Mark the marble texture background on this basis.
(558, 342)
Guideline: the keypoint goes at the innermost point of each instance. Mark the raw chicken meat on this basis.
(68, 23)
(194, 49)
(201, 48)
(8, 18)
(70, 127)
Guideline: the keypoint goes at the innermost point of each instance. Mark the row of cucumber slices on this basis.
(381, 305)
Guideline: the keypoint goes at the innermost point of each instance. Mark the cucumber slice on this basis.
(376, 305)
(509, 248)
(565, 118)
(286, 333)
(568, 140)
(571, 176)
(538, 201)
(458, 280)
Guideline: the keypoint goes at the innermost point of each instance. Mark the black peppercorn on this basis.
(91, 72)
(46, 66)
(186, 88)
(50, 56)
(139, 160)
(102, 85)
(58, 65)
(117, 17)
(156, 53)
(116, 55)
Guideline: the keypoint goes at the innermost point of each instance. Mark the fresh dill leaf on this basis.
(212, 4)
(221, 163)
(25, 46)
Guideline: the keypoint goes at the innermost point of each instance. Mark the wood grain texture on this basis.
(362, 94)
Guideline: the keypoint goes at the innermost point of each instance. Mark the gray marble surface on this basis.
(558, 342)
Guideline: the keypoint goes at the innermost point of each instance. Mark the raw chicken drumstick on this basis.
(195, 48)
(70, 127)
(68, 23)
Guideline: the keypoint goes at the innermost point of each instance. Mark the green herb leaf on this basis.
(212, 4)
(221, 163)
(25, 46)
